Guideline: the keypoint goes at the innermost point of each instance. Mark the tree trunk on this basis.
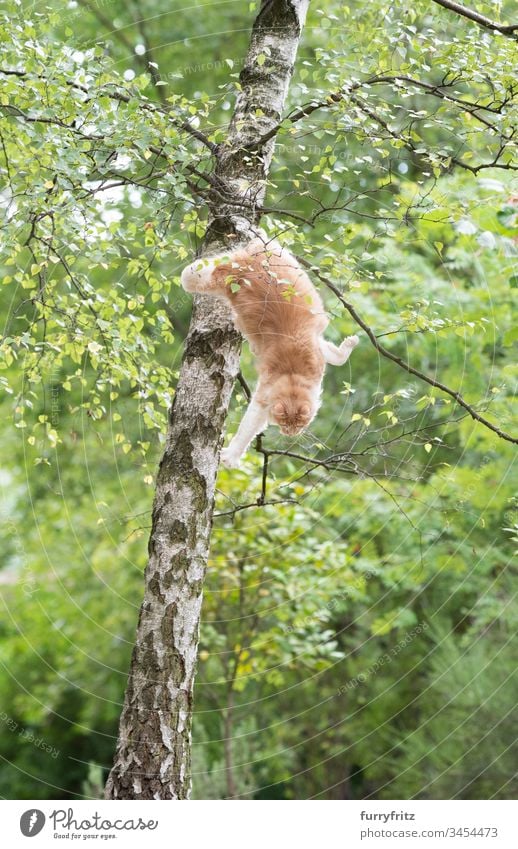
(152, 759)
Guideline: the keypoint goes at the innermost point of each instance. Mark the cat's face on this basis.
(292, 414)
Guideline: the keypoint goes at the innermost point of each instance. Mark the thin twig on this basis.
(404, 365)
(509, 30)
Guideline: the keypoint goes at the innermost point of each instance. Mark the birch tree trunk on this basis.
(153, 754)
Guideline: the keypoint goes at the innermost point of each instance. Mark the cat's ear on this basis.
(305, 410)
(278, 408)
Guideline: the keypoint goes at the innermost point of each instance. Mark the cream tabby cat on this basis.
(279, 311)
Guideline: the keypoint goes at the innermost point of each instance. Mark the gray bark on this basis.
(152, 758)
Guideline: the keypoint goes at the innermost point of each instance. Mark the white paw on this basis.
(191, 277)
(350, 342)
(230, 458)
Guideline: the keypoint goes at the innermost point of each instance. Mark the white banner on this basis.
(251, 825)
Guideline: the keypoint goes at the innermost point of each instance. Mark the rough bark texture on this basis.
(152, 759)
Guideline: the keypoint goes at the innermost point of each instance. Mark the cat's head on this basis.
(292, 407)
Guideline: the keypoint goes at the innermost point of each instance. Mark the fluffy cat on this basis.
(278, 310)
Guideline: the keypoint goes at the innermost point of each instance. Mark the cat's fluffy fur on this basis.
(280, 313)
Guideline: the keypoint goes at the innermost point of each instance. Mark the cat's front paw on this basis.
(350, 342)
(230, 458)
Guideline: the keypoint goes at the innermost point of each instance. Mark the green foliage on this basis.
(465, 744)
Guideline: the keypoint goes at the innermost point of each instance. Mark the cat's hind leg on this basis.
(338, 355)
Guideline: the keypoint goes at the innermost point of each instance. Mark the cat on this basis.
(278, 310)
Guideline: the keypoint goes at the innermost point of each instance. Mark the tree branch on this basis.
(408, 143)
(121, 97)
(509, 30)
(339, 96)
(402, 363)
